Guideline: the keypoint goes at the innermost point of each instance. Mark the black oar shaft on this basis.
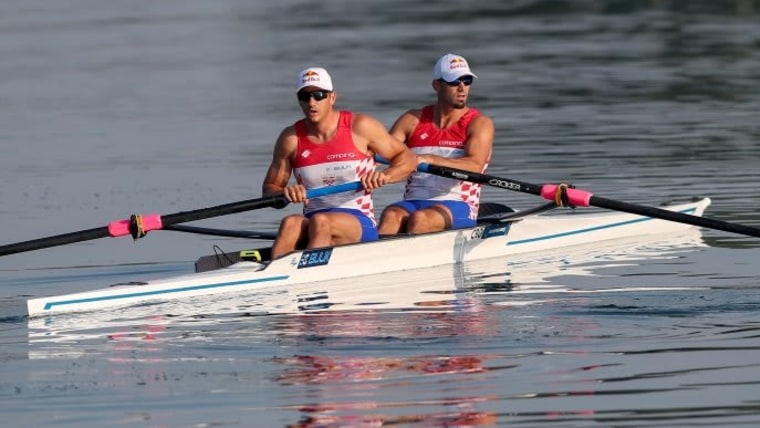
(706, 222)
(155, 221)
(220, 210)
(167, 220)
(54, 241)
(474, 177)
(583, 198)
(248, 234)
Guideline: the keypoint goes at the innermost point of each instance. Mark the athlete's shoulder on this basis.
(481, 119)
(478, 116)
(411, 116)
(363, 120)
(288, 132)
(477, 112)
(288, 139)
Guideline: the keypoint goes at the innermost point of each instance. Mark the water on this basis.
(114, 108)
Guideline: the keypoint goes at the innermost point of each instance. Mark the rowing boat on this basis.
(502, 234)
(524, 280)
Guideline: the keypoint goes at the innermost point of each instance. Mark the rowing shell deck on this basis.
(515, 235)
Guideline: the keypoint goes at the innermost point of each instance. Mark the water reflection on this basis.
(353, 384)
(357, 362)
(341, 404)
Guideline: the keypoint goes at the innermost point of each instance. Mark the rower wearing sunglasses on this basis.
(448, 133)
(329, 147)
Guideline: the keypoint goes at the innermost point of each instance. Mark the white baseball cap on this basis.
(451, 67)
(315, 76)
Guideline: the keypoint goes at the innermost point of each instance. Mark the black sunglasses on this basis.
(467, 80)
(317, 95)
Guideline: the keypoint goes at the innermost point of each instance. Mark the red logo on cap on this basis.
(457, 63)
(310, 76)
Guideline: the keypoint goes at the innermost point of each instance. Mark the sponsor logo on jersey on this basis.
(451, 143)
(337, 156)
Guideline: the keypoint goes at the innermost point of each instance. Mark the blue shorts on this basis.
(369, 229)
(460, 211)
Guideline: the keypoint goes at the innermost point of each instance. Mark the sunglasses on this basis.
(467, 80)
(305, 96)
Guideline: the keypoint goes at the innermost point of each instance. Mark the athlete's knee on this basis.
(395, 210)
(393, 214)
(319, 221)
(393, 220)
(424, 221)
(290, 236)
(292, 222)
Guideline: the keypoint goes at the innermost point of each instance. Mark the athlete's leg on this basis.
(327, 229)
(393, 221)
(394, 218)
(292, 235)
(440, 215)
(431, 219)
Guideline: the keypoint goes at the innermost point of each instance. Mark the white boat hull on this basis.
(530, 234)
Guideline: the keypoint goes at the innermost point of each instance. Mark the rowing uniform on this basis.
(424, 190)
(334, 162)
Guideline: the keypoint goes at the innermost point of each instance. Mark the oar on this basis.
(248, 234)
(138, 225)
(565, 195)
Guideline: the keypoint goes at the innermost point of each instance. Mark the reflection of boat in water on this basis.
(346, 385)
(538, 272)
(459, 288)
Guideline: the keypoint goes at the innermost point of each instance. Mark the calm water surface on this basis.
(114, 108)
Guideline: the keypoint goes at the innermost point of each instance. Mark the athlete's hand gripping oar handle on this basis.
(565, 195)
(139, 225)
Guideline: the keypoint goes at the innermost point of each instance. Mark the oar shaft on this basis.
(54, 241)
(647, 211)
(248, 234)
(474, 177)
(583, 198)
(225, 209)
(156, 221)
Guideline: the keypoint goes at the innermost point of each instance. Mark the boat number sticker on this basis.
(496, 230)
(315, 258)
